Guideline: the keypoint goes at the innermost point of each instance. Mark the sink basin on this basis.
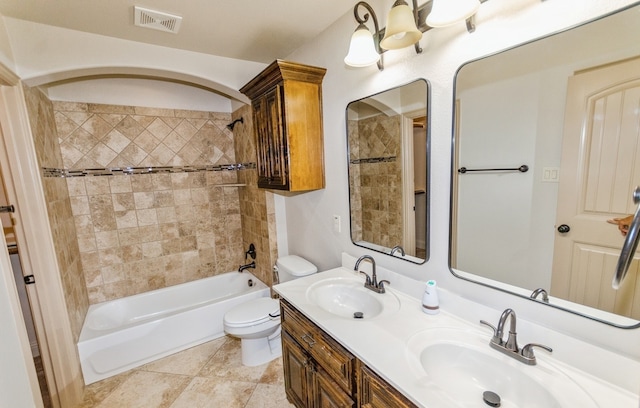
(457, 367)
(348, 298)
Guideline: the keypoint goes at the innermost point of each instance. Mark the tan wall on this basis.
(41, 118)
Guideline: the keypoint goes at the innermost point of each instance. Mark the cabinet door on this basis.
(374, 392)
(327, 393)
(329, 354)
(271, 143)
(296, 367)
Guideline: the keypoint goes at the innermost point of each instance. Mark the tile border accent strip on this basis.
(374, 160)
(115, 171)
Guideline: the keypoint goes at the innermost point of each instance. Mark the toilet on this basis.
(257, 322)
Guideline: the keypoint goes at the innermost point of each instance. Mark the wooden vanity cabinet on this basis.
(374, 392)
(319, 372)
(287, 117)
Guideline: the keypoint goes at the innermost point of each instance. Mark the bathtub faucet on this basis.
(247, 266)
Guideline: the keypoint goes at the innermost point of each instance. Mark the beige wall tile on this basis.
(142, 232)
(60, 208)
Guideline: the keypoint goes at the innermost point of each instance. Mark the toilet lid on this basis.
(253, 312)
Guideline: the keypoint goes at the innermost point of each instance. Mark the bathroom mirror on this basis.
(388, 144)
(546, 149)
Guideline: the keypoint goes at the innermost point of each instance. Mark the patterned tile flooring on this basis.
(208, 376)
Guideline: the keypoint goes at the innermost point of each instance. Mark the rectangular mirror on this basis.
(388, 143)
(568, 108)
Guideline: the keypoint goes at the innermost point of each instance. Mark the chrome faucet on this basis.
(510, 347)
(247, 266)
(512, 342)
(397, 248)
(371, 282)
(540, 291)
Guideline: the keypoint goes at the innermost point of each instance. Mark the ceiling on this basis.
(252, 30)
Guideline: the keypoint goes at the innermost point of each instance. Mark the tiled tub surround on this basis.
(101, 254)
(383, 342)
(143, 232)
(147, 231)
(256, 205)
(61, 219)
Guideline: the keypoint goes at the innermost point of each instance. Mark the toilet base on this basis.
(260, 351)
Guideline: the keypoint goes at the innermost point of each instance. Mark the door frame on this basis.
(25, 190)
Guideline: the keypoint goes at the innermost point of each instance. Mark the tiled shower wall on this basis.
(376, 188)
(147, 231)
(256, 205)
(41, 119)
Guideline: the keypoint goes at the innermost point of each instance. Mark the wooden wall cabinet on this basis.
(287, 119)
(320, 373)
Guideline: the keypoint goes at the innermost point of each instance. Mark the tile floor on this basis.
(208, 376)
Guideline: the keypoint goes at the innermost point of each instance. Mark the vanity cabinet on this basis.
(287, 120)
(319, 372)
(374, 392)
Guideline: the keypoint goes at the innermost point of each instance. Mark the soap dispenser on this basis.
(430, 303)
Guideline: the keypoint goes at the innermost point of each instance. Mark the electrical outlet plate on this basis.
(337, 227)
(551, 174)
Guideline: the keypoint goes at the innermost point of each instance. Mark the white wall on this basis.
(45, 54)
(6, 55)
(500, 25)
(149, 93)
(498, 130)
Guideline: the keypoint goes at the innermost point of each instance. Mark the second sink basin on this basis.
(348, 298)
(458, 366)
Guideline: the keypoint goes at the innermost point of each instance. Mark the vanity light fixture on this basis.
(448, 12)
(402, 31)
(364, 49)
(405, 26)
(402, 26)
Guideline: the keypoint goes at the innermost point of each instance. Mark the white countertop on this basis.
(381, 342)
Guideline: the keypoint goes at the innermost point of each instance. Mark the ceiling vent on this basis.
(156, 20)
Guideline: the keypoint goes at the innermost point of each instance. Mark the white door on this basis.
(600, 168)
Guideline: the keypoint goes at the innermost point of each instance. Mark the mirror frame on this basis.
(427, 152)
(587, 311)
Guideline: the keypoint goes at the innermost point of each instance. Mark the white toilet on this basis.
(257, 322)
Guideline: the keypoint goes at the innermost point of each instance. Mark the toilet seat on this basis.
(253, 313)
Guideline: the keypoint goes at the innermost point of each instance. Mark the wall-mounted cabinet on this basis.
(319, 372)
(287, 117)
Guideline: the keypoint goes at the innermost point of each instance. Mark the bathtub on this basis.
(121, 334)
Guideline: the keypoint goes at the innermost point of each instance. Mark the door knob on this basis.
(564, 228)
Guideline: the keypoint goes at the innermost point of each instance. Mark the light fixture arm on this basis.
(377, 35)
(471, 21)
(415, 17)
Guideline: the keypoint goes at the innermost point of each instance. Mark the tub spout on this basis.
(247, 266)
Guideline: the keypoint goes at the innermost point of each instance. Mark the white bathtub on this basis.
(125, 333)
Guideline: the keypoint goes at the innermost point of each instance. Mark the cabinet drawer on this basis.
(329, 354)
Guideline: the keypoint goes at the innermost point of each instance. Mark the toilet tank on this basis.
(292, 267)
